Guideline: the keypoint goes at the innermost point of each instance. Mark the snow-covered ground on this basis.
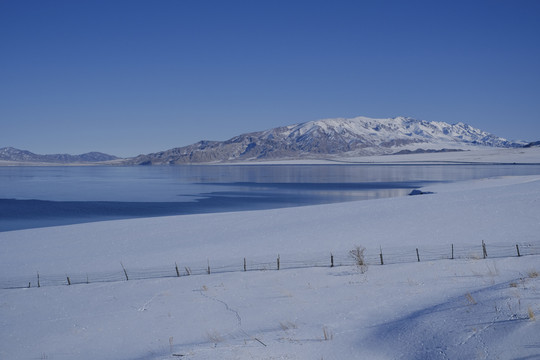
(482, 155)
(468, 155)
(438, 308)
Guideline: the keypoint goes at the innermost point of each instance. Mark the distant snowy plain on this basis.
(467, 155)
(466, 308)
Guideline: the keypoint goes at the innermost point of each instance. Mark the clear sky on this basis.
(131, 77)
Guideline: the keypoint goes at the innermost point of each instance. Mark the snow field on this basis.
(396, 255)
(470, 155)
(431, 310)
(443, 309)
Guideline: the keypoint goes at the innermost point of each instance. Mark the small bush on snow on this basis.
(358, 255)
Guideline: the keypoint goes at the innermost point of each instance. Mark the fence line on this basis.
(395, 255)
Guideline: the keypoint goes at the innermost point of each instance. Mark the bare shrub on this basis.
(358, 255)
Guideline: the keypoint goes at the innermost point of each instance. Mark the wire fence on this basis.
(370, 256)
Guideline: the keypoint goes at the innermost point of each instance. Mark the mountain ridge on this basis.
(25, 156)
(328, 138)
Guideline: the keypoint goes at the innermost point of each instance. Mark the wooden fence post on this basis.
(208, 269)
(278, 262)
(484, 249)
(517, 248)
(125, 272)
(38, 284)
(382, 262)
(245, 267)
(68, 280)
(331, 260)
(452, 252)
(176, 268)
(417, 255)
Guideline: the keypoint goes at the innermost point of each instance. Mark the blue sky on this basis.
(131, 77)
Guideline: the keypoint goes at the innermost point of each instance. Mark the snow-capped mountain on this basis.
(12, 154)
(331, 138)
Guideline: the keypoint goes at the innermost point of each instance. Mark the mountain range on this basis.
(332, 138)
(321, 139)
(16, 155)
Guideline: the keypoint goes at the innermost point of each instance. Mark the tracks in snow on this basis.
(227, 307)
(203, 293)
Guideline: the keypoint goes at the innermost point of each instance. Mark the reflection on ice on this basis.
(46, 196)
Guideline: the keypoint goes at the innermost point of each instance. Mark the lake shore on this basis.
(456, 213)
(451, 308)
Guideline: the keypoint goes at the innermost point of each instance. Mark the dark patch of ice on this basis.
(419, 192)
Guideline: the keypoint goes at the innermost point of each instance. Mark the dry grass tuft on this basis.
(327, 333)
(531, 314)
(214, 336)
(470, 299)
(287, 325)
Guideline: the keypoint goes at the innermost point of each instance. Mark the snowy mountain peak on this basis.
(334, 137)
(388, 130)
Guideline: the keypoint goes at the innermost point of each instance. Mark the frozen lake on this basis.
(48, 196)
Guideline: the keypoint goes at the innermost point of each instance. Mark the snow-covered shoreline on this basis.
(495, 210)
(445, 309)
(473, 155)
